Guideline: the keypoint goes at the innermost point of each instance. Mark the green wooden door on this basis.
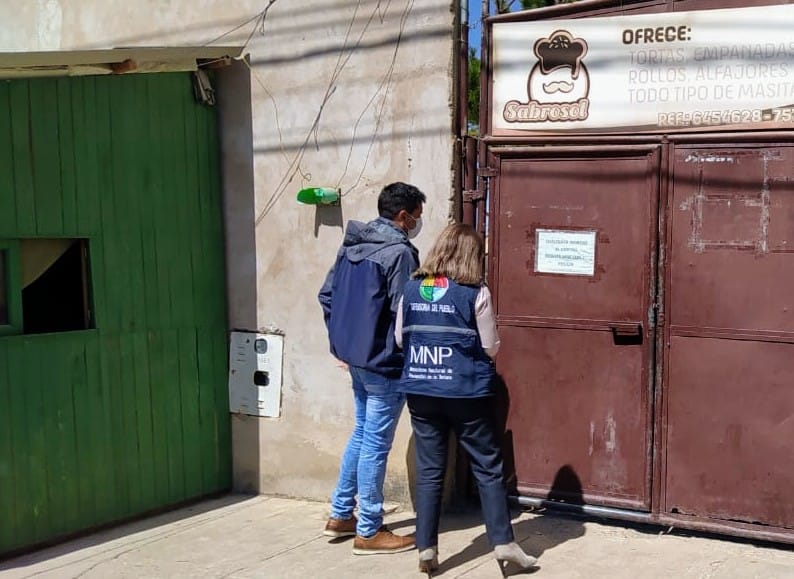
(132, 415)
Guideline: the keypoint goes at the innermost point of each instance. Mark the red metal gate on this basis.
(574, 278)
(642, 275)
(729, 413)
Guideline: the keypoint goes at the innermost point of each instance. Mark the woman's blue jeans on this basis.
(363, 467)
(471, 419)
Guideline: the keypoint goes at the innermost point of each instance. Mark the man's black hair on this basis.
(397, 196)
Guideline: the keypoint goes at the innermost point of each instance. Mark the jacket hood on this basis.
(364, 239)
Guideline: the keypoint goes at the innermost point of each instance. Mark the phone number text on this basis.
(725, 117)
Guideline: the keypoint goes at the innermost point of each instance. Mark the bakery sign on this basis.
(722, 68)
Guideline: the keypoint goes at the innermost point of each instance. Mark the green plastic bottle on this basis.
(318, 195)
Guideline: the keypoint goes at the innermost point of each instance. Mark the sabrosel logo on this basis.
(558, 86)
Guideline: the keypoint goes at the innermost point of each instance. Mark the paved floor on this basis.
(239, 537)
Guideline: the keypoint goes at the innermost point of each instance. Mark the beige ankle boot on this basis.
(428, 560)
(513, 553)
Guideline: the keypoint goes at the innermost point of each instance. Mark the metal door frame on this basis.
(652, 278)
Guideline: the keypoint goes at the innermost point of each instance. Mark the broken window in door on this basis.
(55, 292)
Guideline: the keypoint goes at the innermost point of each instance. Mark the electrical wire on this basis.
(305, 176)
(235, 29)
(258, 18)
(345, 54)
(294, 165)
(342, 60)
(259, 24)
(386, 82)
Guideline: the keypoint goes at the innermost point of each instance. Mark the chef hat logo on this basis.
(560, 50)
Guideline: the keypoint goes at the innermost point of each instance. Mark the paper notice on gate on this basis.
(565, 252)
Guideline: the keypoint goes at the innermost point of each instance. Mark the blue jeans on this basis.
(363, 467)
(471, 420)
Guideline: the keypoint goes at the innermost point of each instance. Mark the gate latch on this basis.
(626, 329)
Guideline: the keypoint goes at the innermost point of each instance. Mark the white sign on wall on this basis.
(565, 252)
(671, 70)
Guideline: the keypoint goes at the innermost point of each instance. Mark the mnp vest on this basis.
(443, 353)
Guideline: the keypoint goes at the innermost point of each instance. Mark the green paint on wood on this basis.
(143, 415)
(21, 147)
(8, 531)
(17, 393)
(67, 152)
(8, 207)
(13, 280)
(174, 416)
(100, 425)
(191, 419)
(45, 157)
(61, 384)
(159, 387)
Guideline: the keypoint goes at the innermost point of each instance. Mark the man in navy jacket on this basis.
(359, 300)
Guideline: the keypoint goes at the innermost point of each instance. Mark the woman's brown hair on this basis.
(457, 254)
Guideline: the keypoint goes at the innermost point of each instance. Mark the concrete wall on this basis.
(345, 93)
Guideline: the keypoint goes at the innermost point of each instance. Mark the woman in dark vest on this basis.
(446, 327)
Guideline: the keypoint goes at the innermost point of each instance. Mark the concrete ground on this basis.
(239, 537)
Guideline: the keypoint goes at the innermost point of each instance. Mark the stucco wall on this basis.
(343, 93)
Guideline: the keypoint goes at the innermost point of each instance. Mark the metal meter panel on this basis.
(255, 373)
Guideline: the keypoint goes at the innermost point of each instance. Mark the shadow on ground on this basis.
(536, 535)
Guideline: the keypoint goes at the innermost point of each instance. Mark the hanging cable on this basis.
(261, 83)
(386, 82)
(344, 56)
(259, 20)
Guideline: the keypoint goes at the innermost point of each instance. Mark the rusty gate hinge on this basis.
(487, 172)
(471, 195)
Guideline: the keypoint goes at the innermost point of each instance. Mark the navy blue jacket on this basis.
(444, 356)
(361, 294)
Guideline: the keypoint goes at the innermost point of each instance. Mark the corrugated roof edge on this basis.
(110, 61)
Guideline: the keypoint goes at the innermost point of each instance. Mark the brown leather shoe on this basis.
(384, 541)
(340, 527)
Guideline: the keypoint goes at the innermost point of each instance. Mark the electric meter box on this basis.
(255, 373)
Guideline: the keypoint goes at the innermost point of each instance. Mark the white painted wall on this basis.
(344, 92)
